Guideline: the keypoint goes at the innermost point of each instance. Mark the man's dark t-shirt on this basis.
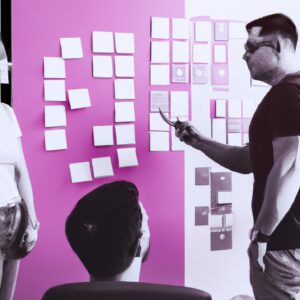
(277, 115)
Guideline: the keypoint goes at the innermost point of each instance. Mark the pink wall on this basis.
(37, 27)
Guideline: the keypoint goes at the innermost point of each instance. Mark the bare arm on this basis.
(234, 158)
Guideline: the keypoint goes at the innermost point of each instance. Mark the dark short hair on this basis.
(104, 228)
(277, 23)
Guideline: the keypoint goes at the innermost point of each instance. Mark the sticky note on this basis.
(159, 141)
(248, 108)
(220, 53)
(160, 28)
(219, 130)
(234, 125)
(202, 31)
(160, 52)
(71, 48)
(55, 139)
(79, 98)
(124, 112)
(229, 220)
(102, 167)
(221, 30)
(237, 30)
(179, 104)
(54, 67)
(124, 89)
(201, 215)
(234, 108)
(224, 197)
(220, 108)
(180, 73)
(200, 74)
(159, 99)
(125, 134)
(220, 74)
(124, 66)
(201, 53)
(55, 115)
(216, 221)
(180, 28)
(124, 42)
(159, 74)
(202, 176)
(127, 157)
(102, 66)
(157, 123)
(55, 90)
(181, 52)
(103, 42)
(103, 135)
(80, 172)
(235, 139)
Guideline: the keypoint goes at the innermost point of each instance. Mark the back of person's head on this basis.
(278, 24)
(104, 228)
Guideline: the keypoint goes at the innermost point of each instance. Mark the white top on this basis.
(9, 154)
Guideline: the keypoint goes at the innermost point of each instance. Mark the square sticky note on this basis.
(221, 30)
(202, 31)
(80, 172)
(124, 66)
(79, 98)
(103, 42)
(159, 74)
(55, 115)
(201, 53)
(125, 134)
(160, 28)
(202, 176)
(160, 52)
(102, 66)
(235, 139)
(220, 53)
(71, 48)
(234, 125)
(124, 112)
(179, 104)
(159, 141)
(55, 139)
(200, 74)
(103, 135)
(159, 99)
(102, 167)
(124, 89)
(54, 67)
(127, 157)
(220, 74)
(181, 52)
(180, 73)
(220, 108)
(201, 215)
(216, 221)
(219, 130)
(234, 108)
(55, 90)
(180, 28)
(124, 42)
(157, 123)
(224, 197)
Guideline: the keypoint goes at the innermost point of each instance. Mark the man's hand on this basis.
(187, 133)
(262, 249)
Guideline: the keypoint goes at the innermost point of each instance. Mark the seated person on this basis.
(108, 230)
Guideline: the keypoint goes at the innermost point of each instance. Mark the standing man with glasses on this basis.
(272, 155)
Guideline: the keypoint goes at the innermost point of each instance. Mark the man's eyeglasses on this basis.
(251, 48)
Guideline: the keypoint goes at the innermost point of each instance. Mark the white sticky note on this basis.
(179, 104)
(237, 30)
(124, 66)
(55, 115)
(220, 54)
(220, 108)
(102, 167)
(201, 53)
(160, 74)
(219, 130)
(181, 52)
(224, 197)
(216, 221)
(124, 89)
(177, 145)
(159, 141)
(248, 108)
(71, 48)
(55, 139)
(234, 108)
(124, 112)
(103, 135)
(159, 100)
(180, 73)
(160, 28)
(79, 98)
(235, 139)
(125, 134)
(80, 172)
(180, 28)
(103, 42)
(55, 90)
(54, 67)
(202, 31)
(124, 42)
(160, 52)
(127, 157)
(229, 219)
(157, 123)
(102, 66)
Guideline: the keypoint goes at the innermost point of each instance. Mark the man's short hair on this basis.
(104, 228)
(276, 23)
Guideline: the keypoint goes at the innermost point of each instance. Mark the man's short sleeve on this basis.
(284, 118)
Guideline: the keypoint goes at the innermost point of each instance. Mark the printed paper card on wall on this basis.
(159, 100)
(221, 239)
(201, 215)
(200, 74)
(221, 30)
(180, 73)
(220, 74)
